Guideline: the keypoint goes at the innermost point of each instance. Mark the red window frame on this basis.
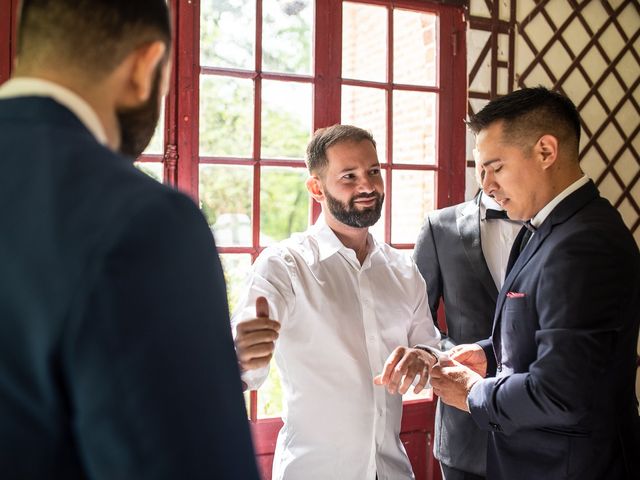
(7, 37)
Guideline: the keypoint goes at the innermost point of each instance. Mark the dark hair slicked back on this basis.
(323, 138)
(530, 113)
(95, 35)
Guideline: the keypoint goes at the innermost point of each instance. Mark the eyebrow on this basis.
(489, 162)
(351, 169)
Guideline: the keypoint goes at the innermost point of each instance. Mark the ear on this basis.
(314, 185)
(547, 148)
(143, 63)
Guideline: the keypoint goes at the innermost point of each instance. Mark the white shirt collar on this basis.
(542, 215)
(37, 87)
(329, 243)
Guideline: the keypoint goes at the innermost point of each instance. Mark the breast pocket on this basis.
(519, 324)
(516, 313)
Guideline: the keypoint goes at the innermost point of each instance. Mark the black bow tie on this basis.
(496, 214)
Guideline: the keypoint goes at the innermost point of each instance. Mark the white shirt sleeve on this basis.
(269, 278)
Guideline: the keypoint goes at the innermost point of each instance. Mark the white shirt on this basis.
(496, 239)
(37, 87)
(542, 215)
(340, 321)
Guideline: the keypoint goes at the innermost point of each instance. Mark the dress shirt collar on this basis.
(542, 215)
(487, 202)
(329, 243)
(37, 87)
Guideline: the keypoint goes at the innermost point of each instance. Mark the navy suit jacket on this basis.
(562, 403)
(116, 356)
(449, 256)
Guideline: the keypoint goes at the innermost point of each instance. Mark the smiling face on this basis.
(350, 187)
(515, 176)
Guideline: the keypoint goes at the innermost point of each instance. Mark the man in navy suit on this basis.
(554, 384)
(116, 356)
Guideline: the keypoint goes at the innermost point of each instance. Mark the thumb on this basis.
(445, 361)
(262, 307)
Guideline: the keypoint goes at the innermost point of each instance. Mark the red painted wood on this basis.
(7, 43)
(452, 108)
(186, 91)
(327, 67)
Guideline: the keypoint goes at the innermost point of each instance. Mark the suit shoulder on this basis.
(449, 214)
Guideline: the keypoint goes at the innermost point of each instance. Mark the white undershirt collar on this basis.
(37, 87)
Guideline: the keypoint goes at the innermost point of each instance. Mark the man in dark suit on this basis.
(554, 384)
(462, 253)
(116, 356)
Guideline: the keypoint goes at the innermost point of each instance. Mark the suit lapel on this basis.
(468, 222)
(563, 211)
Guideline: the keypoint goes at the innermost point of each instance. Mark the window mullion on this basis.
(186, 94)
(257, 129)
(450, 179)
(327, 71)
(7, 50)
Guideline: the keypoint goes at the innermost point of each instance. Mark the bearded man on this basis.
(347, 308)
(116, 356)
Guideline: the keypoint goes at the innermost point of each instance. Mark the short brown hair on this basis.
(92, 35)
(323, 138)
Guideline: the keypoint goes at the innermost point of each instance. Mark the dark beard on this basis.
(350, 215)
(138, 124)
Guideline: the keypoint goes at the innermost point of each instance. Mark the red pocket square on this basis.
(515, 295)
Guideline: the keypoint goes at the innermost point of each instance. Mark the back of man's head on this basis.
(323, 138)
(89, 36)
(530, 113)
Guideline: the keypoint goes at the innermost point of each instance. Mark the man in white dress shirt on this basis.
(349, 308)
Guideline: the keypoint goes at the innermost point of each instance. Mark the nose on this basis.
(487, 182)
(366, 184)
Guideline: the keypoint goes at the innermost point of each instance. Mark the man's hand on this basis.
(402, 367)
(471, 356)
(452, 382)
(255, 338)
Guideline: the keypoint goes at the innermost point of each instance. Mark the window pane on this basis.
(364, 42)
(236, 269)
(270, 395)
(284, 203)
(414, 127)
(156, 145)
(366, 108)
(227, 33)
(414, 47)
(286, 36)
(377, 230)
(153, 169)
(225, 199)
(286, 119)
(413, 198)
(226, 116)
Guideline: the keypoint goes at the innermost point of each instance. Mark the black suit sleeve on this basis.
(150, 362)
(426, 257)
